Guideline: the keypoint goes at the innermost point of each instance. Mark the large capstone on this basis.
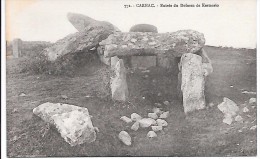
(86, 40)
(118, 82)
(73, 122)
(192, 84)
(149, 44)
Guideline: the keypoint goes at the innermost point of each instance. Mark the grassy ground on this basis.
(201, 133)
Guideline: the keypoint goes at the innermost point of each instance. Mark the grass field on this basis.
(201, 133)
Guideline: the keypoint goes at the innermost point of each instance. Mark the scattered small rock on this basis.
(87, 96)
(125, 138)
(164, 115)
(158, 104)
(252, 100)
(253, 127)
(228, 107)
(152, 115)
(135, 117)
(64, 97)
(126, 119)
(146, 122)
(228, 119)
(253, 107)
(22, 95)
(245, 110)
(157, 111)
(159, 94)
(133, 40)
(240, 131)
(146, 71)
(143, 97)
(231, 86)
(246, 92)
(156, 128)
(135, 126)
(151, 134)
(161, 122)
(146, 76)
(153, 80)
(211, 104)
(15, 110)
(238, 118)
(166, 103)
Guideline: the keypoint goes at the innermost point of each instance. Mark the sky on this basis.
(232, 24)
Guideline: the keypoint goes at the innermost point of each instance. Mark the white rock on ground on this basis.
(157, 110)
(73, 122)
(252, 100)
(157, 128)
(245, 110)
(125, 138)
(135, 117)
(211, 104)
(166, 103)
(228, 107)
(228, 119)
(164, 115)
(126, 119)
(253, 127)
(151, 134)
(146, 122)
(161, 122)
(152, 115)
(238, 118)
(135, 126)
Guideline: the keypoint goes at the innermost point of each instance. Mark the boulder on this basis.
(149, 44)
(192, 82)
(118, 82)
(146, 122)
(228, 107)
(73, 122)
(157, 111)
(125, 138)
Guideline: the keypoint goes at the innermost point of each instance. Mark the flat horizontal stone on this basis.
(149, 44)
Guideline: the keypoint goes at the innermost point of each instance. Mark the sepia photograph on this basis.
(129, 78)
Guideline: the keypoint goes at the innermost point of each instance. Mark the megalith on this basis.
(118, 83)
(17, 48)
(192, 82)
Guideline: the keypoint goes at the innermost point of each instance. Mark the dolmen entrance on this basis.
(114, 47)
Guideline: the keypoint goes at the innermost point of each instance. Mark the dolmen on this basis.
(114, 46)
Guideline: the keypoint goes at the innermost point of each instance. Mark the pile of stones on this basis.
(156, 120)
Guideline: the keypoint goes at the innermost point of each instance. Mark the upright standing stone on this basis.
(192, 84)
(17, 48)
(118, 81)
